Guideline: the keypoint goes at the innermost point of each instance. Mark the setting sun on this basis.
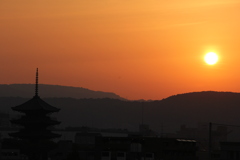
(136, 49)
(211, 58)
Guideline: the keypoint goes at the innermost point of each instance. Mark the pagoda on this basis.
(36, 122)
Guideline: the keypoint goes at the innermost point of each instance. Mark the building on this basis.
(93, 146)
(4, 120)
(230, 151)
(35, 123)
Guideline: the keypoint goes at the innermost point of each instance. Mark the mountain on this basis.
(45, 90)
(165, 115)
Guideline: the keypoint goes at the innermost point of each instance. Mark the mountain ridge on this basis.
(184, 109)
(47, 90)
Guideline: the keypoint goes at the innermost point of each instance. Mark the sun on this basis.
(211, 58)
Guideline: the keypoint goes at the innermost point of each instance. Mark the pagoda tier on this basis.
(34, 135)
(35, 120)
(36, 104)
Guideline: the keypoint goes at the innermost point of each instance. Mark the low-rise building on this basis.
(94, 147)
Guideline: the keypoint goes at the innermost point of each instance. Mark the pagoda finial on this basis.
(36, 89)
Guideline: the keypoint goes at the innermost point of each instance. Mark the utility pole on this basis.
(142, 112)
(210, 141)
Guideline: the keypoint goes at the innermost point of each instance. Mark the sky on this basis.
(138, 49)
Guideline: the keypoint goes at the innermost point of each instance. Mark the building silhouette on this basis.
(35, 133)
(94, 146)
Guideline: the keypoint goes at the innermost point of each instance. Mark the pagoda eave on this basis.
(34, 135)
(35, 122)
(36, 104)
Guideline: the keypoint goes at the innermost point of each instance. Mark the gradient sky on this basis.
(138, 49)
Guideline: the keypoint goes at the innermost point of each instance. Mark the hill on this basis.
(163, 115)
(27, 91)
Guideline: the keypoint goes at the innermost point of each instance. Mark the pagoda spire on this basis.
(36, 88)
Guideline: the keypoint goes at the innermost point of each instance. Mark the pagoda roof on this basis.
(39, 121)
(33, 135)
(35, 104)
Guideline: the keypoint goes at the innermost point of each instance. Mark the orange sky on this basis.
(138, 49)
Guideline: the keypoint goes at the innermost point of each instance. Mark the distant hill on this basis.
(45, 90)
(162, 115)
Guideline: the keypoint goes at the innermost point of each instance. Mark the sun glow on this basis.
(211, 58)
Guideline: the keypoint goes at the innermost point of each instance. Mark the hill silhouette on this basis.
(162, 115)
(27, 90)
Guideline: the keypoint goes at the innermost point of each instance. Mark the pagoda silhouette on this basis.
(35, 132)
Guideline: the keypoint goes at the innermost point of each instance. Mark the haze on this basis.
(137, 49)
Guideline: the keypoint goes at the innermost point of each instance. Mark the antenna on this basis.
(36, 88)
